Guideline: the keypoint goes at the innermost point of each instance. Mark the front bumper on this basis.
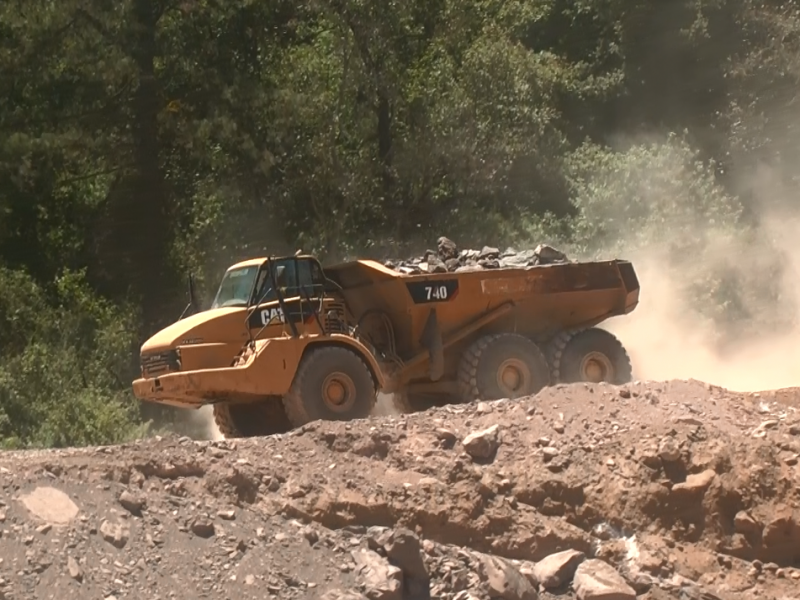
(152, 390)
(193, 389)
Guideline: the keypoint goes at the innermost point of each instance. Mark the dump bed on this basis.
(546, 298)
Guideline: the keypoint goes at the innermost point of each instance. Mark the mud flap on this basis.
(432, 340)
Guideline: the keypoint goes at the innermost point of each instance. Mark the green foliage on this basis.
(655, 194)
(661, 205)
(63, 364)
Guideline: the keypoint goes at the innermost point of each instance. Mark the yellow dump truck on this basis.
(287, 341)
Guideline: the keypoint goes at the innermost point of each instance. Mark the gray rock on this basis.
(597, 580)
(50, 505)
(746, 524)
(447, 248)
(489, 263)
(518, 259)
(436, 266)
(405, 550)
(377, 537)
(131, 502)
(381, 580)
(695, 484)
(203, 528)
(116, 534)
(549, 255)
(505, 580)
(526, 568)
(342, 595)
(74, 569)
(668, 450)
(555, 570)
(482, 444)
(451, 264)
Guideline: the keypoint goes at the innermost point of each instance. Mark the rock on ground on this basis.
(482, 444)
(555, 570)
(597, 580)
(658, 490)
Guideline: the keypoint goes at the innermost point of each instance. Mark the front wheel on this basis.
(331, 384)
(253, 419)
(591, 355)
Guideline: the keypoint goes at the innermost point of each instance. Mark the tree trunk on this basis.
(385, 141)
(140, 215)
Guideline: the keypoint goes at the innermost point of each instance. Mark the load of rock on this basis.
(448, 258)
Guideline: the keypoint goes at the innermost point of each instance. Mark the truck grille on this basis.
(159, 363)
(335, 320)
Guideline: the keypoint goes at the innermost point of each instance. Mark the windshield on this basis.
(235, 288)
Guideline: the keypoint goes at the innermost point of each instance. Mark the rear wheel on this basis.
(591, 355)
(255, 419)
(331, 384)
(505, 365)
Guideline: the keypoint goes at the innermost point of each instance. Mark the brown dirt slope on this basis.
(651, 490)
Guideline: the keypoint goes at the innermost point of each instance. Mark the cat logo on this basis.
(271, 315)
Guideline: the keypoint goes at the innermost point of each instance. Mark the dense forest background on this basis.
(142, 139)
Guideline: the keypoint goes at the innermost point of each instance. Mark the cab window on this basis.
(310, 278)
(295, 277)
(285, 277)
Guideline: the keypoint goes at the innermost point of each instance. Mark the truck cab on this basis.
(256, 299)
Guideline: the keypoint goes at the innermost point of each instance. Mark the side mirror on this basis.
(192, 306)
(192, 297)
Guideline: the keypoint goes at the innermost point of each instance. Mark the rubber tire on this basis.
(304, 402)
(258, 419)
(478, 366)
(567, 349)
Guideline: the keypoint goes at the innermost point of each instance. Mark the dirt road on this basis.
(651, 490)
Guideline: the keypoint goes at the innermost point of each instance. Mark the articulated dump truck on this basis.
(287, 341)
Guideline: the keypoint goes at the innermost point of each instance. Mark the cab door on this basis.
(295, 312)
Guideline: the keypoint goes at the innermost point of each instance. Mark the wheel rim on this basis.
(596, 367)
(339, 392)
(513, 377)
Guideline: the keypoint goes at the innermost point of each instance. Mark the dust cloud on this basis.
(205, 416)
(668, 337)
(385, 407)
(199, 424)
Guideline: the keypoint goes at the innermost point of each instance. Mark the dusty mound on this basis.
(651, 490)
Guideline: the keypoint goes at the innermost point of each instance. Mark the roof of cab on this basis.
(251, 262)
(255, 262)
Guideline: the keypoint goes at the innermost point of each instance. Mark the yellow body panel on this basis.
(267, 371)
(217, 325)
